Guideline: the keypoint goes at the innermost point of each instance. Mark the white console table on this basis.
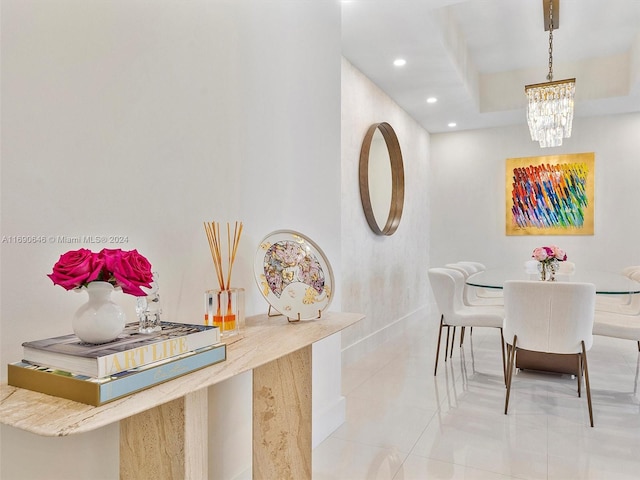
(163, 430)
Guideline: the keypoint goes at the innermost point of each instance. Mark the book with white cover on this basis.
(130, 350)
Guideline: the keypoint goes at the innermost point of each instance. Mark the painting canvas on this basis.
(550, 195)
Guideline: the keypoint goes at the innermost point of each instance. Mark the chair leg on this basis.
(509, 348)
(435, 370)
(446, 346)
(453, 340)
(461, 336)
(586, 379)
(504, 363)
(579, 375)
(506, 368)
(639, 345)
(512, 359)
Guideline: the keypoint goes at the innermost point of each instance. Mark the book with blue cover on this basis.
(98, 391)
(130, 350)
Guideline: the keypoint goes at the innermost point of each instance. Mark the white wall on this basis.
(145, 119)
(468, 187)
(383, 276)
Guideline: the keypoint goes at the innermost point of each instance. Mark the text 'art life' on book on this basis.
(130, 350)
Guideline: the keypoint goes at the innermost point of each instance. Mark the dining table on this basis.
(606, 282)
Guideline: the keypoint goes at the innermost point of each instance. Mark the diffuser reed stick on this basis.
(212, 229)
(237, 232)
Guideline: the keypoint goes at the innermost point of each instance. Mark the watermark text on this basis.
(63, 239)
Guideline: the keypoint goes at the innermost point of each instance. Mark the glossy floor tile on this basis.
(404, 423)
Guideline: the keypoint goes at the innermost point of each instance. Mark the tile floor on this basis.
(403, 423)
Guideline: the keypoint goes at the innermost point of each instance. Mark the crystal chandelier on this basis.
(550, 104)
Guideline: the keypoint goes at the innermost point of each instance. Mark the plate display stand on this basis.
(289, 319)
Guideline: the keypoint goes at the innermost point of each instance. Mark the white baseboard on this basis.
(326, 421)
(355, 351)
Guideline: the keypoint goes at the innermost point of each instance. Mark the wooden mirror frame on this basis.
(397, 179)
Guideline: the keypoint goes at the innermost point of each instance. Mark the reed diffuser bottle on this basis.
(224, 307)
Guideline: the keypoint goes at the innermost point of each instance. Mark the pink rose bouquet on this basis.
(549, 254)
(124, 269)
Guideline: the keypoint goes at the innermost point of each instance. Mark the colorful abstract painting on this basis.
(550, 195)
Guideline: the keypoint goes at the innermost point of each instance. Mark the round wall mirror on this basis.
(381, 179)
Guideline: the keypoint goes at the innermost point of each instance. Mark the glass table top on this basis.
(607, 283)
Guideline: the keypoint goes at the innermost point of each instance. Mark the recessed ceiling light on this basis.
(451, 124)
(432, 100)
(399, 62)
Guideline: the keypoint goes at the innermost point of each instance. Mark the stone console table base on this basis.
(168, 441)
(282, 417)
(163, 430)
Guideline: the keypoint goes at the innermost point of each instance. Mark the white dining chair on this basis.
(549, 317)
(477, 265)
(626, 304)
(480, 291)
(630, 270)
(617, 325)
(531, 267)
(566, 268)
(620, 307)
(470, 293)
(447, 286)
(463, 267)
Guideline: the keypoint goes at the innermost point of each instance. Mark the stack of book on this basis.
(96, 374)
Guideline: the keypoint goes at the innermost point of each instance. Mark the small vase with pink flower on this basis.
(100, 319)
(548, 259)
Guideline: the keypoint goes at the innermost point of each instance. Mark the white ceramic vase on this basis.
(100, 320)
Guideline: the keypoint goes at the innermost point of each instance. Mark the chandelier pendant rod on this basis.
(550, 75)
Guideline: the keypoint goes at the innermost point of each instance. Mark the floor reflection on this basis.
(405, 423)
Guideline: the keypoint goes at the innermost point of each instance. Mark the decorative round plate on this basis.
(293, 275)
